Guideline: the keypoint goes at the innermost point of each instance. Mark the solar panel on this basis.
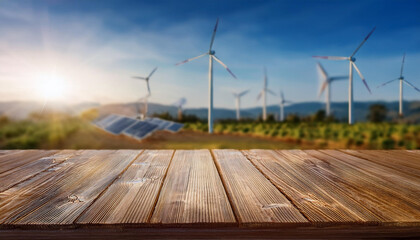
(106, 121)
(162, 124)
(140, 130)
(165, 124)
(118, 126)
(175, 127)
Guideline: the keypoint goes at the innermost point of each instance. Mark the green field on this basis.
(327, 135)
(58, 131)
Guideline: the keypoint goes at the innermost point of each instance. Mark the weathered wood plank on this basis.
(397, 162)
(4, 152)
(193, 192)
(380, 196)
(413, 158)
(20, 174)
(132, 198)
(104, 232)
(60, 196)
(254, 199)
(406, 183)
(318, 197)
(19, 158)
(412, 154)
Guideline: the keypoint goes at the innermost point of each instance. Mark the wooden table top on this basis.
(202, 189)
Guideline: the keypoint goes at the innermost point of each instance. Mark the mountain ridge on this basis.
(22, 109)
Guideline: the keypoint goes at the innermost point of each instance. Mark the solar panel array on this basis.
(135, 128)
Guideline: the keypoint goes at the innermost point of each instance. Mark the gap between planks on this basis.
(275, 185)
(107, 187)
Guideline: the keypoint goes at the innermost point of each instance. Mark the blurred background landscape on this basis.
(60, 126)
(64, 64)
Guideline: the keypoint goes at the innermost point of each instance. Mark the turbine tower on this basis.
(283, 102)
(263, 94)
(401, 78)
(326, 86)
(237, 97)
(351, 60)
(179, 104)
(211, 54)
(144, 99)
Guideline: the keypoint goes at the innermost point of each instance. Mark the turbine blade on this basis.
(259, 96)
(331, 57)
(282, 96)
(180, 102)
(324, 85)
(224, 65)
(361, 76)
(271, 92)
(402, 66)
(385, 83)
(189, 60)
(339, 78)
(148, 88)
(243, 93)
(214, 34)
(363, 42)
(322, 71)
(136, 77)
(411, 85)
(154, 70)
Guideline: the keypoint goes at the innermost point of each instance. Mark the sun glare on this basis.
(51, 88)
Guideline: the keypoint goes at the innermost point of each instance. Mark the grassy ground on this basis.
(64, 132)
(57, 131)
(327, 135)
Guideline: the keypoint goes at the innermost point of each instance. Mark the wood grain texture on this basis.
(18, 158)
(104, 232)
(193, 192)
(398, 162)
(317, 196)
(382, 197)
(132, 198)
(408, 185)
(254, 198)
(412, 154)
(60, 196)
(224, 189)
(19, 174)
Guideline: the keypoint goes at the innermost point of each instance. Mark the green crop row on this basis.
(367, 135)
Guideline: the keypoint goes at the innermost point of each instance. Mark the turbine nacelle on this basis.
(352, 59)
(401, 78)
(212, 52)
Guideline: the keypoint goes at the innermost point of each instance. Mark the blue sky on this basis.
(93, 48)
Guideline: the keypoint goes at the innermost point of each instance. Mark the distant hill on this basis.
(339, 110)
(20, 110)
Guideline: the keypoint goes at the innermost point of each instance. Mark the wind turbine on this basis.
(351, 60)
(148, 91)
(179, 104)
(238, 103)
(211, 54)
(283, 101)
(142, 113)
(263, 94)
(401, 78)
(326, 85)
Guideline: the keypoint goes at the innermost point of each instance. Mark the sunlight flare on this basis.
(51, 87)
